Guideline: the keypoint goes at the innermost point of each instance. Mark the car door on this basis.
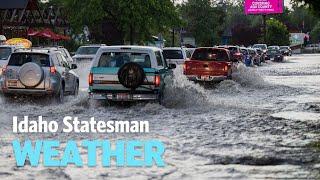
(68, 76)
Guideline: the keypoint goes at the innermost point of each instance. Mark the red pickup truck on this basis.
(209, 64)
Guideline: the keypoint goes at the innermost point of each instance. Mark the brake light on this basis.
(53, 70)
(226, 68)
(237, 54)
(184, 68)
(3, 69)
(90, 79)
(157, 80)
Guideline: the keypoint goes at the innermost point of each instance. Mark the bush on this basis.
(277, 33)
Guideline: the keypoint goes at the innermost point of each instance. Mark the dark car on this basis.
(286, 50)
(256, 58)
(275, 54)
(235, 52)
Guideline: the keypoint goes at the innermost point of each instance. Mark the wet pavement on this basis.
(259, 125)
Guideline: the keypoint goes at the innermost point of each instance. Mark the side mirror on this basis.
(74, 66)
(172, 66)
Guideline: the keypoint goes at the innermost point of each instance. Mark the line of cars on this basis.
(117, 73)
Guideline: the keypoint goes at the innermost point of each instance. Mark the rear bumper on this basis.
(128, 97)
(209, 79)
(36, 92)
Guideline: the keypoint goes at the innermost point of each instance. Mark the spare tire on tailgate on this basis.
(30, 74)
(131, 75)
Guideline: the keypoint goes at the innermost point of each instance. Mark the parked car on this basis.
(263, 47)
(312, 48)
(234, 52)
(61, 49)
(5, 52)
(175, 55)
(255, 57)
(39, 73)
(274, 54)
(247, 59)
(86, 53)
(286, 50)
(209, 65)
(261, 54)
(128, 73)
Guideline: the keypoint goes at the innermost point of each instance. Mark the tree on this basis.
(277, 33)
(137, 19)
(315, 33)
(313, 5)
(203, 20)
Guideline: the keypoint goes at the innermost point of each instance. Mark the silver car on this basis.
(39, 72)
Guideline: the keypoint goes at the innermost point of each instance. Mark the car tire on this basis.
(76, 90)
(59, 97)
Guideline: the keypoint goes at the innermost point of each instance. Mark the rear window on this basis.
(87, 50)
(172, 54)
(5, 53)
(118, 59)
(210, 55)
(19, 59)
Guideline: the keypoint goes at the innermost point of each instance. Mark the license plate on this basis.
(12, 83)
(123, 96)
(204, 78)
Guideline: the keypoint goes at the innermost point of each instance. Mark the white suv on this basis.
(5, 52)
(175, 55)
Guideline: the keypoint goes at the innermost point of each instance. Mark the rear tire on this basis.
(59, 97)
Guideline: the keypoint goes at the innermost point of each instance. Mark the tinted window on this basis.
(159, 58)
(172, 54)
(87, 50)
(18, 59)
(5, 53)
(210, 55)
(118, 59)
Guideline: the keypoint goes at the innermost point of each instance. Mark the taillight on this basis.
(90, 79)
(184, 68)
(157, 80)
(237, 54)
(3, 69)
(53, 70)
(226, 68)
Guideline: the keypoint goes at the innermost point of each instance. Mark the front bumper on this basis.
(207, 78)
(123, 96)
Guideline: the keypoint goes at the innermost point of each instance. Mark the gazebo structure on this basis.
(18, 16)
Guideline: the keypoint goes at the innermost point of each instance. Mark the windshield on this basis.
(172, 54)
(118, 59)
(5, 53)
(87, 50)
(19, 59)
(260, 46)
(210, 55)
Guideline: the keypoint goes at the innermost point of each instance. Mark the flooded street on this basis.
(259, 125)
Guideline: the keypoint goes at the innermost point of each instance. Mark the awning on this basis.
(47, 33)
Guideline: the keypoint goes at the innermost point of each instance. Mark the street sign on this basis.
(263, 6)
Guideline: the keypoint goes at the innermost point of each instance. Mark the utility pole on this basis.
(172, 45)
(264, 16)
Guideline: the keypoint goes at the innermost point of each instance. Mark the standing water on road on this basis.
(259, 125)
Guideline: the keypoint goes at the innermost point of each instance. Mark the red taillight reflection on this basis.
(157, 80)
(90, 79)
(53, 70)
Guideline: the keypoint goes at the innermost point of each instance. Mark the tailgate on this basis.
(107, 79)
(211, 68)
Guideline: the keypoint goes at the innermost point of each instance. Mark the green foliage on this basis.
(313, 5)
(137, 19)
(277, 33)
(315, 33)
(203, 20)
